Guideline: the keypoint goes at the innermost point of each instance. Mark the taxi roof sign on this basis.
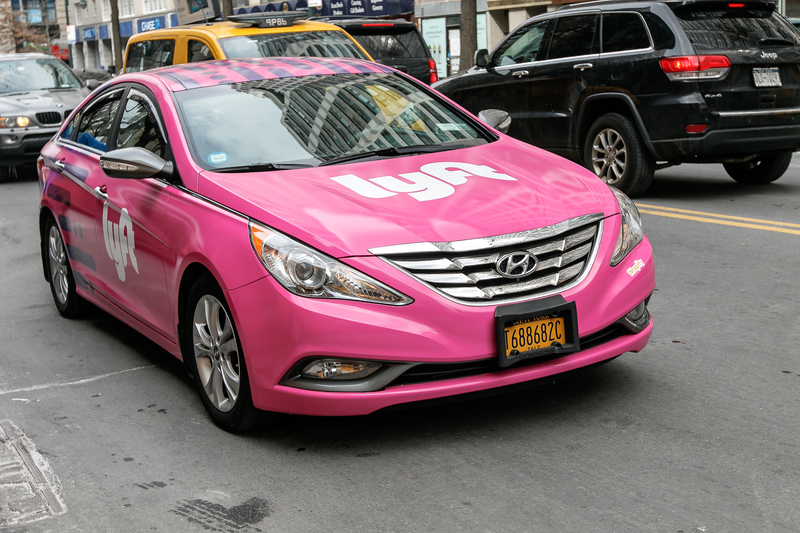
(270, 20)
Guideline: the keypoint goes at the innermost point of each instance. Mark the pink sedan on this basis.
(330, 237)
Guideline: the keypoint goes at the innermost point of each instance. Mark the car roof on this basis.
(226, 71)
(630, 3)
(221, 30)
(27, 55)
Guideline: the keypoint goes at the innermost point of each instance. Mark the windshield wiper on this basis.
(394, 151)
(260, 167)
(776, 41)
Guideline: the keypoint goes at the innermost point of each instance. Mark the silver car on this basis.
(37, 93)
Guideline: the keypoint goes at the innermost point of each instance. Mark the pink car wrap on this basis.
(136, 245)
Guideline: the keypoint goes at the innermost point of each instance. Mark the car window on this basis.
(139, 126)
(523, 46)
(34, 75)
(400, 45)
(309, 43)
(624, 31)
(94, 125)
(712, 29)
(198, 51)
(574, 36)
(314, 119)
(145, 55)
(663, 37)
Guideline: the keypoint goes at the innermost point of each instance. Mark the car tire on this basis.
(214, 357)
(615, 152)
(764, 169)
(59, 273)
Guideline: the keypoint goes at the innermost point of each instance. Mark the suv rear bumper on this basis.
(736, 142)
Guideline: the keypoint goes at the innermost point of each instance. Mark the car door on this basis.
(504, 84)
(560, 82)
(130, 222)
(76, 194)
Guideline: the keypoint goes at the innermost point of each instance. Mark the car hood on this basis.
(344, 210)
(33, 101)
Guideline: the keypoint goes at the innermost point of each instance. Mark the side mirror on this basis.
(135, 163)
(482, 58)
(92, 84)
(494, 118)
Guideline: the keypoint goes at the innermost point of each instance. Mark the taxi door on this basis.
(74, 179)
(130, 223)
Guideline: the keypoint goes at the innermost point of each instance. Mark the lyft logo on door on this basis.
(434, 181)
(119, 241)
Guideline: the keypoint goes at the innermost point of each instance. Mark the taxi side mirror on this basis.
(496, 118)
(135, 163)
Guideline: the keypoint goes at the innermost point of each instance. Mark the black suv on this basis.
(629, 87)
(396, 43)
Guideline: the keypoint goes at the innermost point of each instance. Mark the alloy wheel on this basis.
(216, 353)
(57, 256)
(609, 156)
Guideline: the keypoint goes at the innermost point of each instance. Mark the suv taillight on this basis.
(696, 67)
(432, 66)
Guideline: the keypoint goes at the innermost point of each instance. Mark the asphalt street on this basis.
(102, 431)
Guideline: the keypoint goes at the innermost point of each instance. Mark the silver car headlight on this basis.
(630, 231)
(15, 122)
(307, 272)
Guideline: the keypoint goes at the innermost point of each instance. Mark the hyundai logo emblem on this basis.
(516, 265)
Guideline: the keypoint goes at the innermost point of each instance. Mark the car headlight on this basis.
(630, 231)
(14, 122)
(307, 272)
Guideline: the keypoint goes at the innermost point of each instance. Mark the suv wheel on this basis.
(764, 169)
(614, 151)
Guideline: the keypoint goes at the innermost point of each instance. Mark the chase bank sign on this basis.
(149, 24)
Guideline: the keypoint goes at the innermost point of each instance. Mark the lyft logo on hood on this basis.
(434, 181)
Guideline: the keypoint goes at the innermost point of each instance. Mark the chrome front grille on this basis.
(466, 271)
(49, 118)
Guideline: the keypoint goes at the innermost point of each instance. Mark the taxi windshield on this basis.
(35, 75)
(314, 120)
(297, 44)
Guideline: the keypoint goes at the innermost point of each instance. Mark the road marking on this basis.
(724, 220)
(77, 382)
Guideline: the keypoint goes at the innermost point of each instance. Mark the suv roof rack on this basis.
(270, 19)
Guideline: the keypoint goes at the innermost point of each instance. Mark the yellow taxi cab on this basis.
(241, 36)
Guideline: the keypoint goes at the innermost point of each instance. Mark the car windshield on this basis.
(297, 44)
(35, 74)
(317, 119)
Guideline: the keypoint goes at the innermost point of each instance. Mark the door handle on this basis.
(101, 191)
(59, 165)
(520, 73)
(582, 66)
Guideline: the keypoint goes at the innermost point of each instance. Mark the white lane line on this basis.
(77, 382)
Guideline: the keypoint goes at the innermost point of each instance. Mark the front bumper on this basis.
(20, 147)
(279, 330)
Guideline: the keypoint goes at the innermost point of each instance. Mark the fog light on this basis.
(638, 318)
(339, 370)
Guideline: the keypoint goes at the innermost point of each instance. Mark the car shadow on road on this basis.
(672, 184)
(577, 401)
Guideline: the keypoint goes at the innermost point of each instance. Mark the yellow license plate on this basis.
(531, 334)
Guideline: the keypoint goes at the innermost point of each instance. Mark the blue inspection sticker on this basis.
(217, 158)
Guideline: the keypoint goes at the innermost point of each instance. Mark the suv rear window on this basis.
(387, 46)
(716, 27)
